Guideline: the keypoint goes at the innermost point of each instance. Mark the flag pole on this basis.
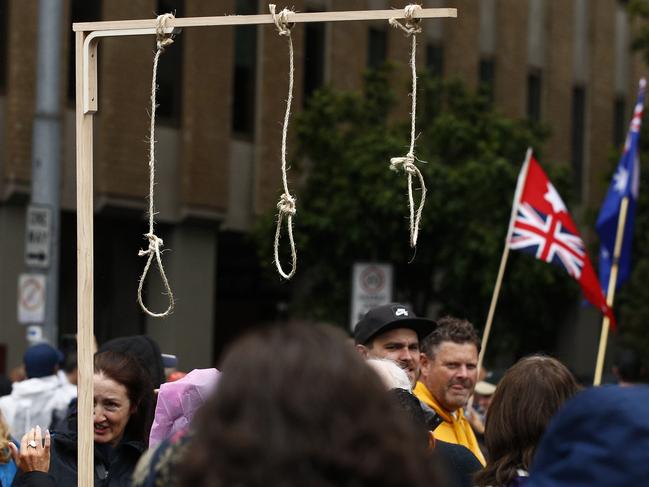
(610, 292)
(503, 260)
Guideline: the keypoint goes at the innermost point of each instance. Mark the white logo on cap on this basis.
(401, 312)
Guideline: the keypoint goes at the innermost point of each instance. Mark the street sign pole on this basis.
(46, 157)
(38, 237)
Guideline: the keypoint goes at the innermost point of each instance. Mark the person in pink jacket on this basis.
(178, 401)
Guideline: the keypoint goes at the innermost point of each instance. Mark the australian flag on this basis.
(542, 226)
(624, 185)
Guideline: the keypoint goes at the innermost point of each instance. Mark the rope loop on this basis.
(286, 205)
(281, 20)
(163, 39)
(412, 25)
(407, 163)
(155, 243)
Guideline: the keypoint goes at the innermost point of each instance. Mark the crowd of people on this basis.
(296, 405)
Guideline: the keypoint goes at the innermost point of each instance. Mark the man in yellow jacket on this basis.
(448, 361)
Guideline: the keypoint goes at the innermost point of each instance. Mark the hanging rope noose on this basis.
(407, 162)
(286, 205)
(155, 243)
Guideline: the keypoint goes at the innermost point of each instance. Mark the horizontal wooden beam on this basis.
(424, 13)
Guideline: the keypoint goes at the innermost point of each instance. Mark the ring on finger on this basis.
(32, 444)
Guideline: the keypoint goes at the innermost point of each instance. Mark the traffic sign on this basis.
(31, 298)
(371, 287)
(37, 236)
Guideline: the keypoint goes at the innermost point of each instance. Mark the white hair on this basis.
(393, 376)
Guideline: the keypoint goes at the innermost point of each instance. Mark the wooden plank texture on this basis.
(85, 291)
(425, 13)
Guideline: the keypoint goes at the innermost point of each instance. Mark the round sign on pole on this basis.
(373, 279)
(31, 298)
(371, 287)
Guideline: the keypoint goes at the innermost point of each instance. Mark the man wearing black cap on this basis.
(393, 331)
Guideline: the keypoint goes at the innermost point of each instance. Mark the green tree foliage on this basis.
(632, 299)
(353, 208)
(633, 296)
(639, 10)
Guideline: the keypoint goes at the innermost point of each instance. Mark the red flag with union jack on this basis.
(543, 227)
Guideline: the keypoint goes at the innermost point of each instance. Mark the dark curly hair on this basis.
(297, 406)
(449, 329)
(527, 397)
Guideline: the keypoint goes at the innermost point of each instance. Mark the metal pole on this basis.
(46, 148)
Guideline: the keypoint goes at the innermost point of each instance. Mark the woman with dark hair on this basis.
(123, 397)
(297, 406)
(528, 396)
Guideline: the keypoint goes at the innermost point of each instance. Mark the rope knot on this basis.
(412, 25)
(286, 204)
(281, 20)
(406, 162)
(163, 39)
(155, 243)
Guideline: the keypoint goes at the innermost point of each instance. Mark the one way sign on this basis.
(37, 237)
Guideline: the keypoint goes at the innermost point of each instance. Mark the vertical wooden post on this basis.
(85, 324)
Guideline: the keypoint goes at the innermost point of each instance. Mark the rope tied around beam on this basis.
(412, 25)
(286, 205)
(162, 38)
(407, 162)
(155, 243)
(281, 20)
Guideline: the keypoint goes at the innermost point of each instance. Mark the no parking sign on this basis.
(371, 287)
(31, 298)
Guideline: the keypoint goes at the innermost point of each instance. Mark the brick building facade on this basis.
(222, 95)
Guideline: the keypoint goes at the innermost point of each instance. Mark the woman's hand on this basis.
(33, 455)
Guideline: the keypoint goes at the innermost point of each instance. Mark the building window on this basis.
(619, 121)
(245, 60)
(377, 47)
(534, 95)
(80, 11)
(314, 57)
(487, 74)
(435, 59)
(170, 71)
(578, 134)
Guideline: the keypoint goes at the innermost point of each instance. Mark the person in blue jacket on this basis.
(599, 439)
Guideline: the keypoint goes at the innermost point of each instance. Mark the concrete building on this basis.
(222, 95)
